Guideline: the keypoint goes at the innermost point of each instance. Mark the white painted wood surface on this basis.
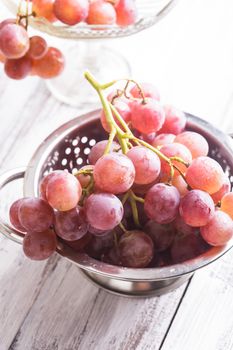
(49, 305)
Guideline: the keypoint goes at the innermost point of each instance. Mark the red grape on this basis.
(180, 184)
(103, 211)
(197, 208)
(146, 163)
(112, 257)
(175, 150)
(39, 245)
(100, 245)
(7, 21)
(71, 12)
(44, 8)
(126, 12)
(187, 247)
(114, 173)
(14, 41)
(205, 174)
(182, 228)
(163, 139)
(219, 229)
(71, 225)
(38, 47)
(136, 249)
(50, 65)
(227, 204)
(14, 215)
(63, 191)
(84, 179)
(161, 235)
(162, 203)
(175, 121)
(97, 151)
(44, 183)
(217, 196)
(35, 215)
(147, 117)
(149, 138)
(123, 109)
(18, 68)
(101, 12)
(149, 90)
(80, 244)
(96, 232)
(195, 142)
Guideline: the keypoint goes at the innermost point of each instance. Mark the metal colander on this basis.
(68, 148)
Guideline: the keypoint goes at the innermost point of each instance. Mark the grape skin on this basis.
(71, 12)
(187, 247)
(205, 174)
(175, 150)
(35, 215)
(226, 187)
(14, 215)
(18, 68)
(71, 225)
(126, 12)
(149, 91)
(85, 179)
(161, 235)
(197, 208)
(38, 47)
(122, 108)
(44, 183)
(44, 8)
(182, 229)
(227, 204)
(63, 191)
(114, 173)
(219, 229)
(136, 249)
(97, 151)
(50, 65)
(163, 139)
(147, 164)
(103, 211)
(14, 41)
(180, 184)
(162, 203)
(39, 245)
(175, 121)
(101, 12)
(195, 142)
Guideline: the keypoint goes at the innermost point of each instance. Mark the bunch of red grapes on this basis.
(141, 201)
(23, 55)
(97, 12)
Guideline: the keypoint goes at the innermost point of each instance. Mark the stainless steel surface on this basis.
(149, 13)
(67, 148)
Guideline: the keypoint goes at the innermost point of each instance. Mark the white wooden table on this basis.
(49, 305)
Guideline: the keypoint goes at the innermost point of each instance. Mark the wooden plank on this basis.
(204, 320)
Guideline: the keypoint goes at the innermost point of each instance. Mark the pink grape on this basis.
(182, 228)
(114, 173)
(175, 121)
(149, 138)
(141, 190)
(103, 211)
(122, 108)
(136, 249)
(50, 65)
(162, 203)
(149, 91)
(39, 245)
(80, 244)
(63, 191)
(96, 232)
(7, 21)
(14, 215)
(187, 247)
(126, 12)
(97, 151)
(98, 246)
(44, 8)
(163, 139)
(71, 12)
(112, 257)
(205, 174)
(180, 184)
(101, 12)
(217, 196)
(44, 183)
(161, 235)
(85, 179)
(175, 150)
(146, 163)
(195, 142)
(71, 225)
(219, 229)
(18, 68)
(14, 41)
(197, 208)
(227, 204)
(38, 47)
(147, 117)
(35, 215)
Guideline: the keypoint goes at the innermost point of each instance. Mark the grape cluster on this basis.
(97, 12)
(141, 201)
(23, 55)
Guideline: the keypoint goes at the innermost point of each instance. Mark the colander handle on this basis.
(5, 229)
